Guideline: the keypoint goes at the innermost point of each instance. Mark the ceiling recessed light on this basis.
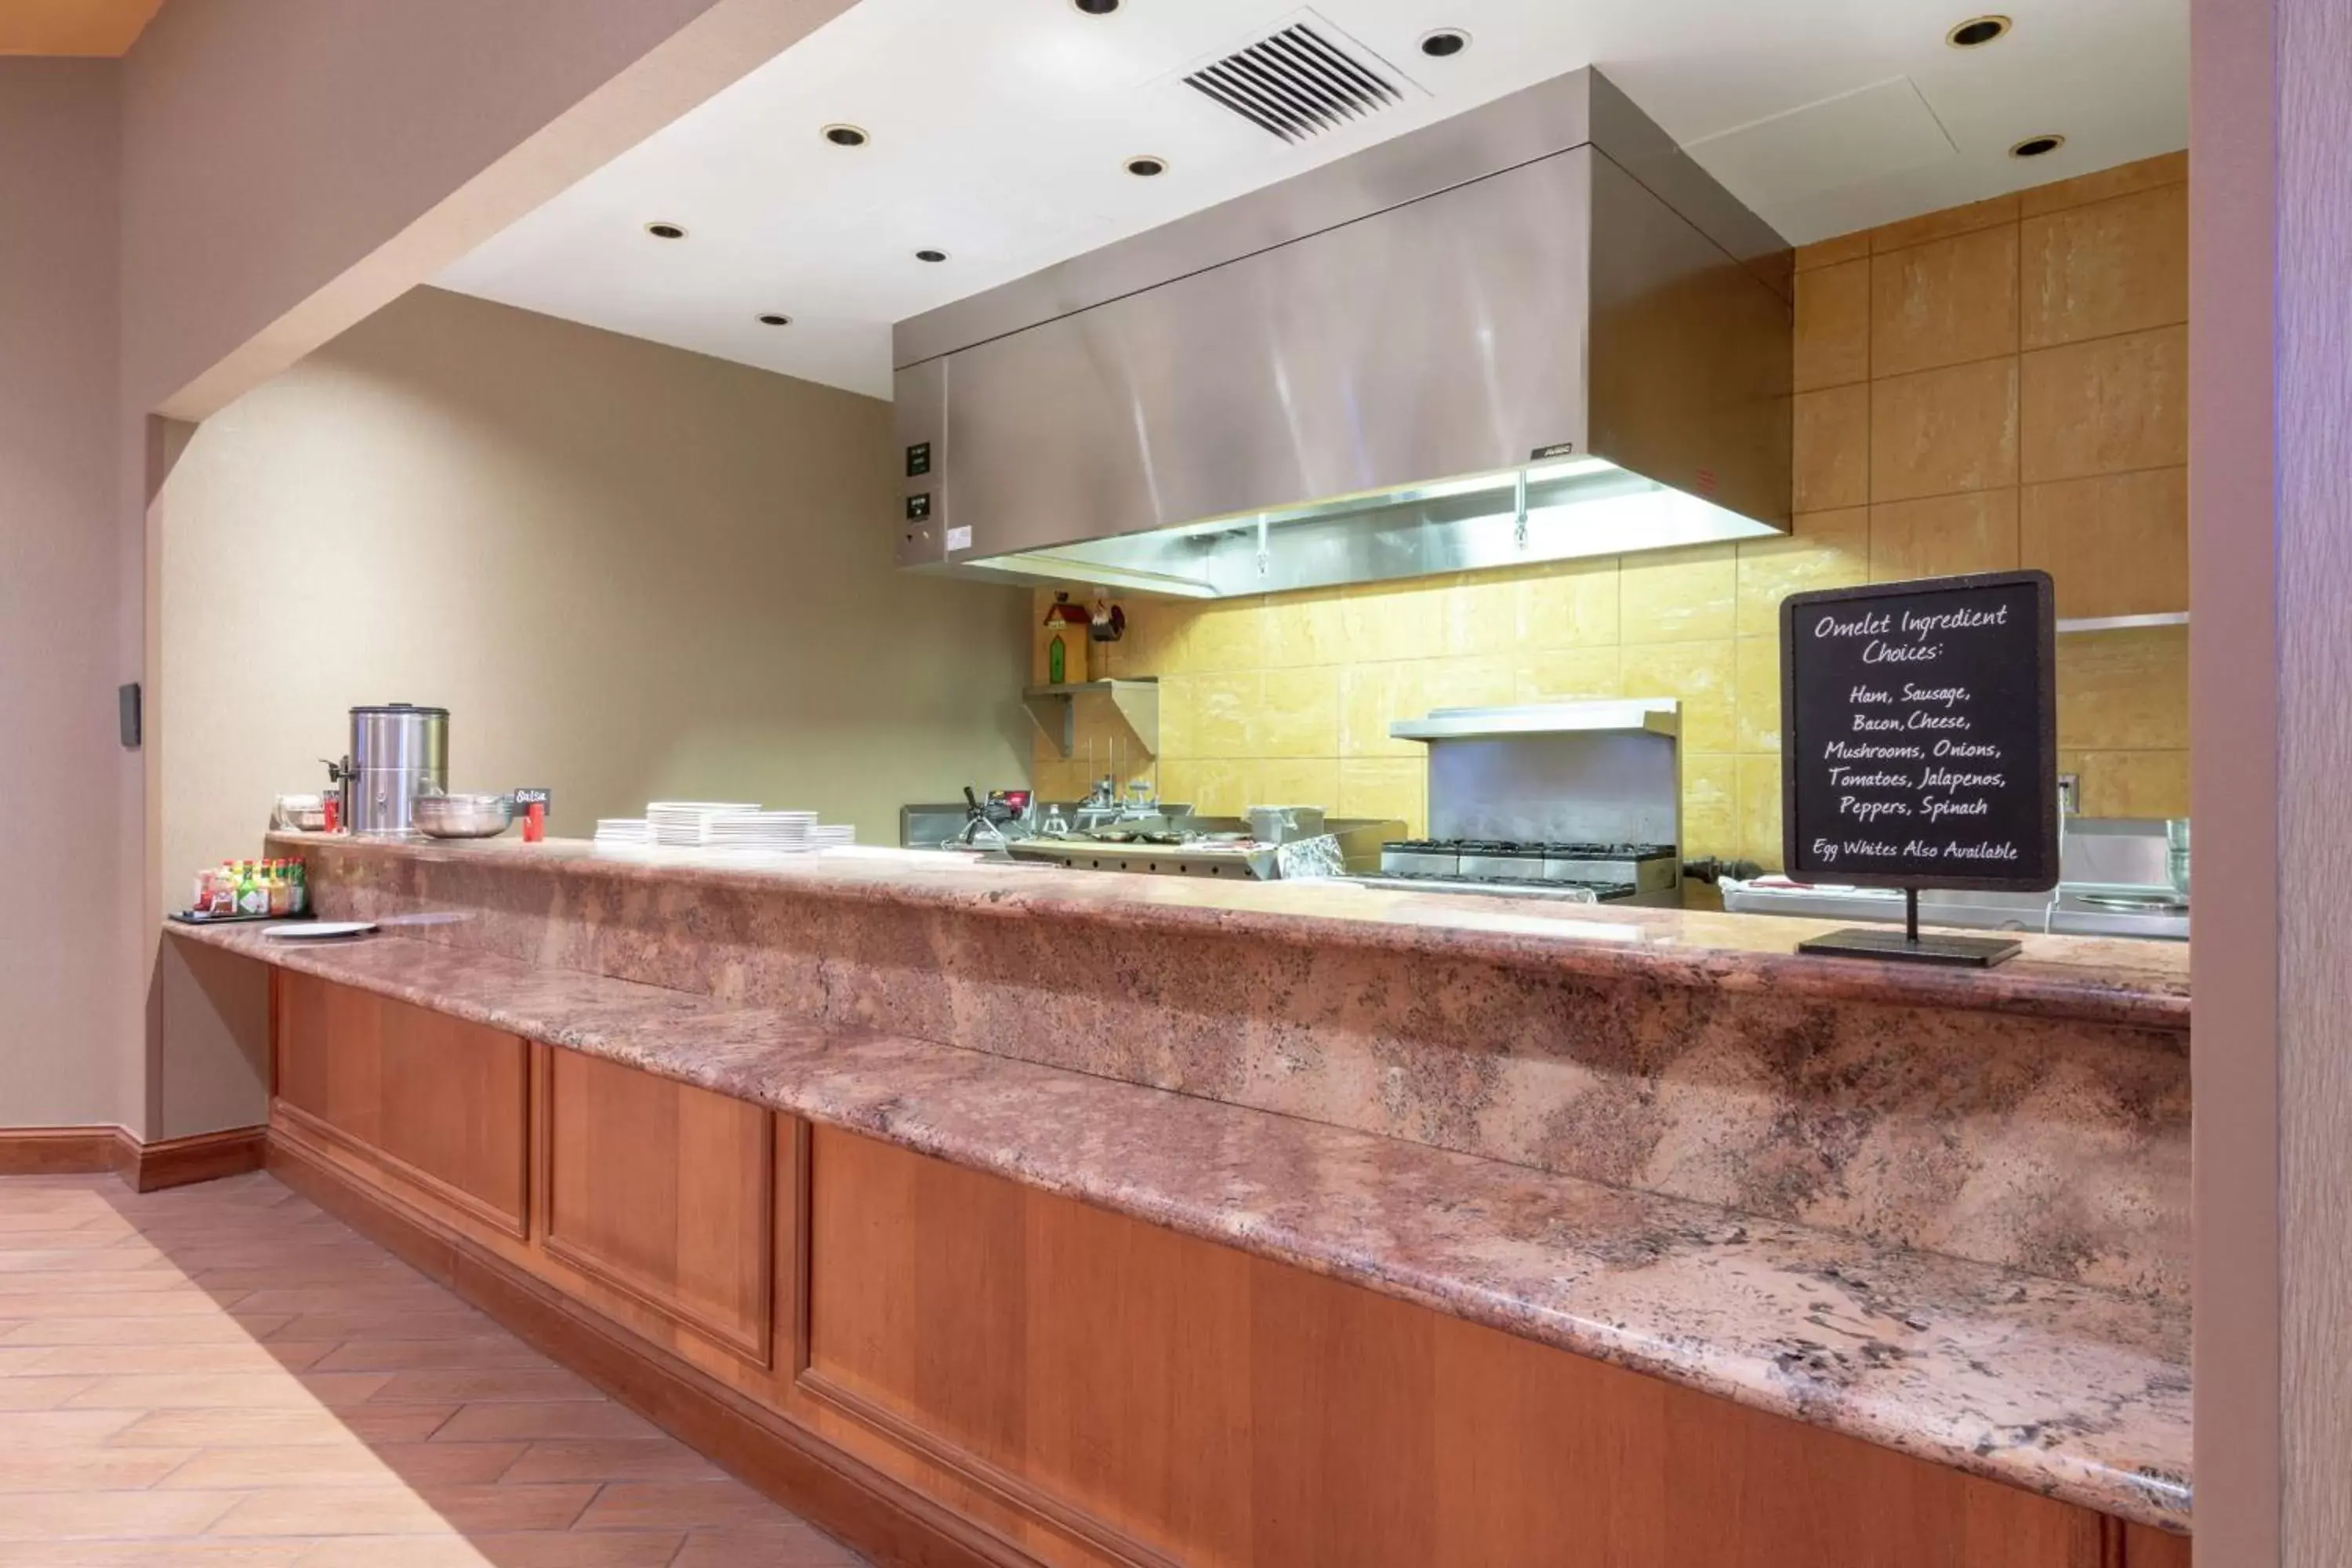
(1977, 32)
(844, 135)
(2035, 146)
(930, 255)
(1147, 166)
(1444, 42)
(775, 318)
(665, 231)
(1096, 8)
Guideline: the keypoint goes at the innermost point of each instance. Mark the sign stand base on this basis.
(1909, 946)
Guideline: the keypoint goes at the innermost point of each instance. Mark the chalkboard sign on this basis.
(1919, 734)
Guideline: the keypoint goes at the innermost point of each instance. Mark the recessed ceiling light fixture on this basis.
(1444, 43)
(844, 135)
(2036, 146)
(1977, 32)
(1096, 8)
(775, 318)
(930, 255)
(1146, 166)
(661, 230)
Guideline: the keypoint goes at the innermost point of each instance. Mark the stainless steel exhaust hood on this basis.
(1533, 331)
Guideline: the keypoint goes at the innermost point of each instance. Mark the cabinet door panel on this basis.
(433, 1098)
(664, 1193)
(917, 1286)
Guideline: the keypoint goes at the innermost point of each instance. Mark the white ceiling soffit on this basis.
(1871, 134)
(998, 130)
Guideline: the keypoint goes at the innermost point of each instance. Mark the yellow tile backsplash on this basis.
(1678, 595)
(1997, 385)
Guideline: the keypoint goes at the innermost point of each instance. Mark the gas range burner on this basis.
(1559, 851)
(1605, 870)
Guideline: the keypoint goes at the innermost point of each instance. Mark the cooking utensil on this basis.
(463, 815)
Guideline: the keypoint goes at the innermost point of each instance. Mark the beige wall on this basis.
(1996, 386)
(58, 601)
(629, 572)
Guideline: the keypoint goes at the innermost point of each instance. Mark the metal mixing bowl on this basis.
(463, 815)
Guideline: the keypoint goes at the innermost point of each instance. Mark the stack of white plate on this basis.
(629, 830)
(760, 830)
(831, 835)
(685, 824)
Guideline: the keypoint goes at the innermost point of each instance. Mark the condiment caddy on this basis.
(249, 890)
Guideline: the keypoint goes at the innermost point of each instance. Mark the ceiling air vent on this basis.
(1296, 83)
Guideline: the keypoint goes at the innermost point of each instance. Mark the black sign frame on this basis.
(2045, 761)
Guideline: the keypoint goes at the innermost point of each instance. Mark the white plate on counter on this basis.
(319, 931)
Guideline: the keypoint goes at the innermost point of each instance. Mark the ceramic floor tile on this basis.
(76, 1468)
(110, 1515)
(280, 1428)
(47, 1428)
(531, 1548)
(110, 1330)
(679, 1505)
(638, 1459)
(472, 1353)
(226, 1391)
(393, 1509)
(558, 1419)
(476, 1385)
(353, 1464)
(227, 1356)
(222, 1377)
(802, 1547)
(454, 1321)
(150, 1554)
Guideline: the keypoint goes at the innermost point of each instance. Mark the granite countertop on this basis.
(2064, 1390)
(2094, 979)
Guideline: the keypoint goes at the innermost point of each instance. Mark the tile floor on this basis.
(225, 1376)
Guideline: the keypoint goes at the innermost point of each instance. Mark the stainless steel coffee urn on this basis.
(399, 751)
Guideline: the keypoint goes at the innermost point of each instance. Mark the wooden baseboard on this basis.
(202, 1157)
(880, 1516)
(144, 1167)
(59, 1151)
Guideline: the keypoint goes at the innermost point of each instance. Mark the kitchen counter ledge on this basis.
(2140, 985)
(2072, 1392)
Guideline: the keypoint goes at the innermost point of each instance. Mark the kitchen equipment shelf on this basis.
(1054, 710)
(1657, 716)
(2123, 623)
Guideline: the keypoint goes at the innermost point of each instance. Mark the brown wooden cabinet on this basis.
(432, 1102)
(663, 1193)
(1163, 1398)
(1068, 1385)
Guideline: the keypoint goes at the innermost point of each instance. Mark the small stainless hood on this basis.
(1533, 331)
